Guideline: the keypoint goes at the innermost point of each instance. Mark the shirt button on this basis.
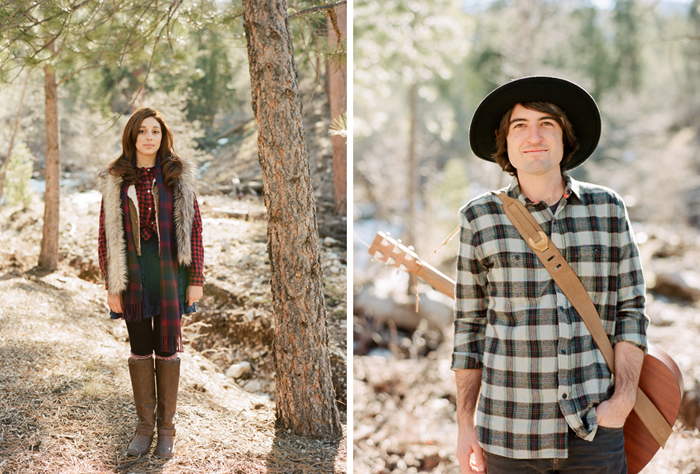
(563, 351)
(564, 396)
(149, 208)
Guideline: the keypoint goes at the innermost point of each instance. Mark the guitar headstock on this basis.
(394, 253)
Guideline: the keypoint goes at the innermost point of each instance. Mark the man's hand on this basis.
(613, 413)
(469, 453)
(194, 294)
(628, 365)
(115, 302)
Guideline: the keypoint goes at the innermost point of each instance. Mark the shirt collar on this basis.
(571, 189)
(144, 173)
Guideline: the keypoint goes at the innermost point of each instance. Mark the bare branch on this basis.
(317, 9)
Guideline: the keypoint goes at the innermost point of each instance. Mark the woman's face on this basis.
(149, 137)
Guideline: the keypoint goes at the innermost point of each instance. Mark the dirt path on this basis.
(65, 396)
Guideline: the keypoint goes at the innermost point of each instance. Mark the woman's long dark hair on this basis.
(125, 165)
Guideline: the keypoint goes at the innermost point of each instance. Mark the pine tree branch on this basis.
(318, 8)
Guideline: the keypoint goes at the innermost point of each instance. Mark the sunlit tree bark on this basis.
(305, 395)
(48, 256)
(337, 93)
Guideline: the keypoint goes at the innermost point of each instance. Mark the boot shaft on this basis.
(168, 382)
(143, 384)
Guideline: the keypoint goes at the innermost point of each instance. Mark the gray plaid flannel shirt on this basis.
(542, 371)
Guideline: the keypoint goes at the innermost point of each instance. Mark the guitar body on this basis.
(660, 379)
(662, 382)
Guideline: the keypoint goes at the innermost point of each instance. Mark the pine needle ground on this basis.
(66, 403)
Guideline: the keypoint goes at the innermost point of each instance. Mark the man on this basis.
(547, 402)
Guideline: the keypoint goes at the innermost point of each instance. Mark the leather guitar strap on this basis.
(573, 289)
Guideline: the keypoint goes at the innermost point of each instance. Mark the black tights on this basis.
(144, 337)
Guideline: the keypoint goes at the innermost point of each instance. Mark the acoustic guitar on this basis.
(660, 381)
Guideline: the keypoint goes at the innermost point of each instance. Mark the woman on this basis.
(151, 256)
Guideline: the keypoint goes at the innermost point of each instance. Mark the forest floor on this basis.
(404, 390)
(66, 403)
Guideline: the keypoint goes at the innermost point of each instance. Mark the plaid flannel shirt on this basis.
(147, 223)
(541, 370)
(147, 208)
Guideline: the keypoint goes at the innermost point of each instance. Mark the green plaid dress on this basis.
(542, 371)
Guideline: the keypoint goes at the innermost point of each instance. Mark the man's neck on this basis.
(547, 188)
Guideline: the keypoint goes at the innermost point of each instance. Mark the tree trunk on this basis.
(337, 94)
(48, 257)
(4, 165)
(305, 396)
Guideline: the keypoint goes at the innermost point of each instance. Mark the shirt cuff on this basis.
(463, 360)
(633, 331)
(196, 280)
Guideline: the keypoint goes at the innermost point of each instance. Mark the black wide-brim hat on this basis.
(577, 104)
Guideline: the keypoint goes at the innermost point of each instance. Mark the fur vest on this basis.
(183, 217)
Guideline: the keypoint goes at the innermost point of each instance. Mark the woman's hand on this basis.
(194, 294)
(115, 302)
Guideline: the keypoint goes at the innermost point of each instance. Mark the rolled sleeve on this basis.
(631, 319)
(471, 303)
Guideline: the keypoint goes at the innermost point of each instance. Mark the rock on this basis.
(239, 370)
(329, 241)
(683, 285)
(690, 407)
(253, 386)
(333, 269)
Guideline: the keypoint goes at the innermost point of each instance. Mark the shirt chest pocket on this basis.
(594, 261)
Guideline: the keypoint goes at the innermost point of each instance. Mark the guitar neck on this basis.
(394, 253)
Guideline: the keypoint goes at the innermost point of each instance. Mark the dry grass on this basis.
(66, 402)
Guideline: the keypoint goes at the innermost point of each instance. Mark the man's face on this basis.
(535, 143)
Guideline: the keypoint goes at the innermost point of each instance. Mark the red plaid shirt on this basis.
(147, 210)
(147, 225)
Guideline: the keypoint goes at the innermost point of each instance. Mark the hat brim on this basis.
(577, 104)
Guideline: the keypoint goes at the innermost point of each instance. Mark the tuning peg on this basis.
(385, 243)
(403, 268)
(379, 255)
(411, 248)
(390, 261)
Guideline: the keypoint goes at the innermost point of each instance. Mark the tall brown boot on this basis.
(144, 386)
(167, 380)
